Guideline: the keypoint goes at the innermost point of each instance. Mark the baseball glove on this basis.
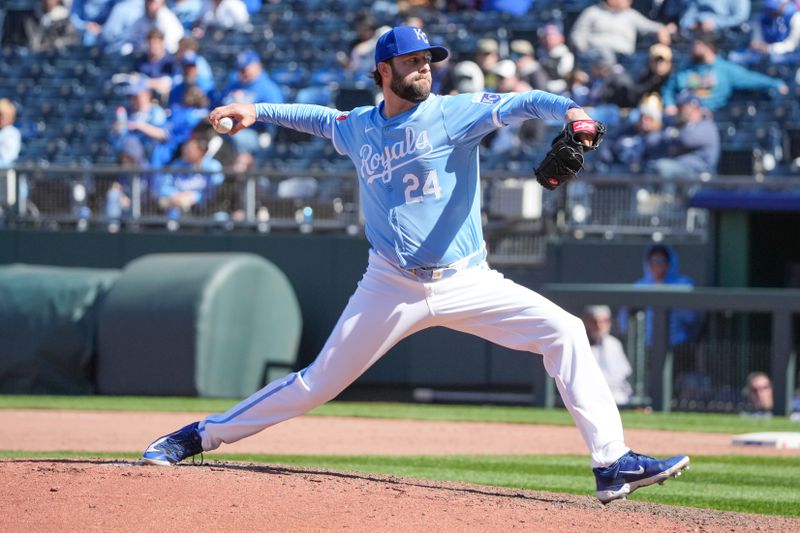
(565, 158)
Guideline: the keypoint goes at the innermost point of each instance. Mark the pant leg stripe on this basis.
(254, 402)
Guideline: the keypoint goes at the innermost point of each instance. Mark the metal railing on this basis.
(618, 206)
(114, 198)
(781, 305)
(519, 217)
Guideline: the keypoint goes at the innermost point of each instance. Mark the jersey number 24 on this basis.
(430, 186)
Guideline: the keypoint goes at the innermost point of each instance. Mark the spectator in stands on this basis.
(440, 72)
(556, 58)
(190, 77)
(578, 82)
(487, 54)
(10, 137)
(157, 65)
(713, 79)
(528, 68)
(51, 28)
(661, 267)
(156, 15)
(667, 11)
(188, 12)
(776, 32)
(713, 15)
(180, 125)
(414, 18)
(525, 133)
(130, 154)
(179, 192)
(507, 79)
(223, 14)
(230, 197)
(220, 147)
(190, 46)
(609, 84)
(253, 6)
(614, 25)
(358, 59)
(464, 77)
(692, 148)
(659, 69)
(145, 119)
(516, 8)
(758, 401)
(115, 36)
(88, 17)
(628, 149)
(609, 352)
(251, 84)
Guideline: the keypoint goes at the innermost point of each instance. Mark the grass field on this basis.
(767, 485)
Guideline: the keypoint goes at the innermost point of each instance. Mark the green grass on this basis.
(763, 485)
(766, 485)
(710, 423)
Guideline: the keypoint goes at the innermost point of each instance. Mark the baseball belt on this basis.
(442, 272)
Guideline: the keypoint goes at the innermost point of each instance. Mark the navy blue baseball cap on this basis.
(402, 40)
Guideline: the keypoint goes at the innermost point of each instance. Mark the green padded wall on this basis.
(47, 327)
(197, 324)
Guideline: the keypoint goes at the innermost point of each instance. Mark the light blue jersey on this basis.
(419, 171)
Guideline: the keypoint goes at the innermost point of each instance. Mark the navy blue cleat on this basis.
(633, 471)
(175, 447)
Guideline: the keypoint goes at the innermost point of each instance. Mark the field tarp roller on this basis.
(48, 327)
(197, 325)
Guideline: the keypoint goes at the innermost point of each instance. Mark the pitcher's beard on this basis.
(415, 92)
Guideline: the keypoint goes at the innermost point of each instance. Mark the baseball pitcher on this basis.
(416, 155)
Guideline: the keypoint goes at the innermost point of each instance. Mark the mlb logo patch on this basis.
(486, 98)
(342, 117)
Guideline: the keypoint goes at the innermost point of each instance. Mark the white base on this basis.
(770, 439)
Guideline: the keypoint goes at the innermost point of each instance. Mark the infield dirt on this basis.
(106, 495)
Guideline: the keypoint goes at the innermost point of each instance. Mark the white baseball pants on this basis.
(387, 307)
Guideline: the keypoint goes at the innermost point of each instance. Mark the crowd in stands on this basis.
(131, 82)
(659, 77)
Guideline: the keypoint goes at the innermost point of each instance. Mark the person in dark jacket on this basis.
(659, 69)
(690, 150)
(628, 149)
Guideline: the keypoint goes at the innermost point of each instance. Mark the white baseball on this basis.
(224, 125)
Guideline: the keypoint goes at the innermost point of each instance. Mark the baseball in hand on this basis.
(224, 125)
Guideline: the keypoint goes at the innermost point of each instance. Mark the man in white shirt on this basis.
(609, 352)
(156, 15)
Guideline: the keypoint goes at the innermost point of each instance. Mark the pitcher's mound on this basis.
(102, 495)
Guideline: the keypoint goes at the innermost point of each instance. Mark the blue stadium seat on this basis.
(292, 75)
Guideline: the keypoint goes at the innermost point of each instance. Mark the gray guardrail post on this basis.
(660, 372)
(782, 362)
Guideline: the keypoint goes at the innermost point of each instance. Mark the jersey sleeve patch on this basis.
(486, 98)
